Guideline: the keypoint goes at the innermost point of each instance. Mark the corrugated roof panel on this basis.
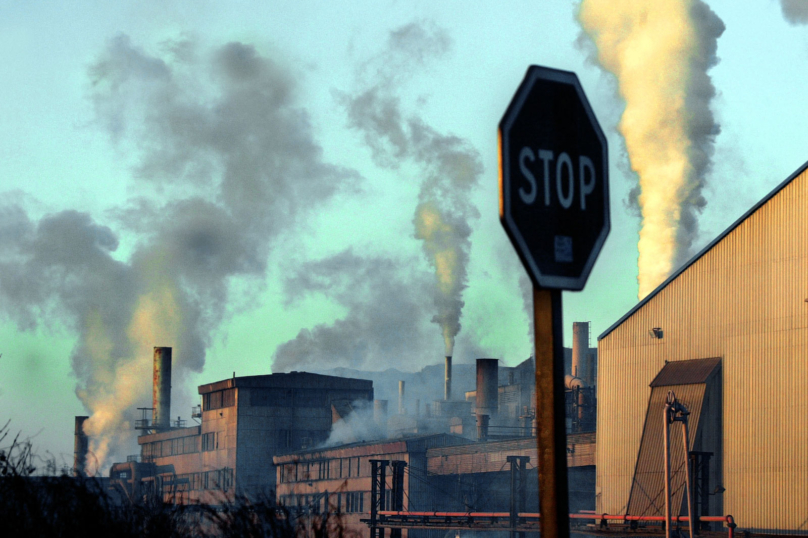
(686, 372)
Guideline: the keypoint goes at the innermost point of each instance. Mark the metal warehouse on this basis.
(728, 335)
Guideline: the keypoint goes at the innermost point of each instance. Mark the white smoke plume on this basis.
(449, 166)
(660, 53)
(225, 161)
(795, 11)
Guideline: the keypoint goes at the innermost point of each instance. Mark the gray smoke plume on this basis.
(795, 11)
(660, 53)
(450, 168)
(359, 426)
(383, 324)
(225, 160)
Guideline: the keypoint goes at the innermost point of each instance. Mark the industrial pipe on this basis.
(728, 520)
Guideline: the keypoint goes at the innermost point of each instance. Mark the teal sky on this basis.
(58, 153)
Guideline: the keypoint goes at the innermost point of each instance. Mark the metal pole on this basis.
(667, 413)
(374, 499)
(551, 436)
(690, 513)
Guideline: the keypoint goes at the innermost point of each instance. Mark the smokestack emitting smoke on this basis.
(401, 397)
(385, 305)
(219, 136)
(447, 380)
(161, 387)
(449, 166)
(660, 53)
(80, 447)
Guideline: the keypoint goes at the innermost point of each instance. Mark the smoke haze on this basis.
(795, 11)
(660, 53)
(450, 168)
(225, 160)
(385, 306)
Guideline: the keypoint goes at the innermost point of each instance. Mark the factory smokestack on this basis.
(380, 412)
(401, 397)
(447, 379)
(487, 386)
(80, 448)
(580, 349)
(482, 427)
(161, 400)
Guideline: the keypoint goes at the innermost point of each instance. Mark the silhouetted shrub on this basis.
(66, 506)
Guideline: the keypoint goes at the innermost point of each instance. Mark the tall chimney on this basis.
(487, 402)
(482, 427)
(589, 374)
(580, 348)
(401, 397)
(161, 397)
(380, 411)
(447, 386)
(81, 445)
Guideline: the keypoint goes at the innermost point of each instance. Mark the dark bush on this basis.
(58, 505)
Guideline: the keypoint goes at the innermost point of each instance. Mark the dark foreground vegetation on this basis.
(56, 505)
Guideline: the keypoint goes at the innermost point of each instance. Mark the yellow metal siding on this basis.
(744, 301)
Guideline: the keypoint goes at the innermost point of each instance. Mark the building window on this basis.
(218, 399)
(324, 466)
(208, 441)
(354, 502)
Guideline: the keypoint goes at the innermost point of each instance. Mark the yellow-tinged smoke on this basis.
(444, 247)
(121, 384)
(660, 53)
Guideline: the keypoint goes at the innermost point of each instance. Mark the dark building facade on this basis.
(244, 422)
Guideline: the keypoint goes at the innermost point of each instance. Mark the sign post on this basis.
(554, 206)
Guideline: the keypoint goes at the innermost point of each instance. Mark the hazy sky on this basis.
(259, 182)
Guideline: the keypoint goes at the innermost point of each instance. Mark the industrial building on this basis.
(321, 444)
(727, 333)
(244, 422)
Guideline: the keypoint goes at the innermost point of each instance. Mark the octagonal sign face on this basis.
(554, 184)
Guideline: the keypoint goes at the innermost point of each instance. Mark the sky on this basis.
(277, 186)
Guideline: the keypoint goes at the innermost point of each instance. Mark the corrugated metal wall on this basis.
(744, 300)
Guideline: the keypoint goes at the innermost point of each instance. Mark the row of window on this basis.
(218, 399)
(219, 479)
(348, 502)
(170, 447)
(322, 470)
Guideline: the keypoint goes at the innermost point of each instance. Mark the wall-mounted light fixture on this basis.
(656, 332)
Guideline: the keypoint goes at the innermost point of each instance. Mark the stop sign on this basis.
(554, 179)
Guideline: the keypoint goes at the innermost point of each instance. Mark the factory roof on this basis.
(414, 443)
(706, 249)
(288, 380)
